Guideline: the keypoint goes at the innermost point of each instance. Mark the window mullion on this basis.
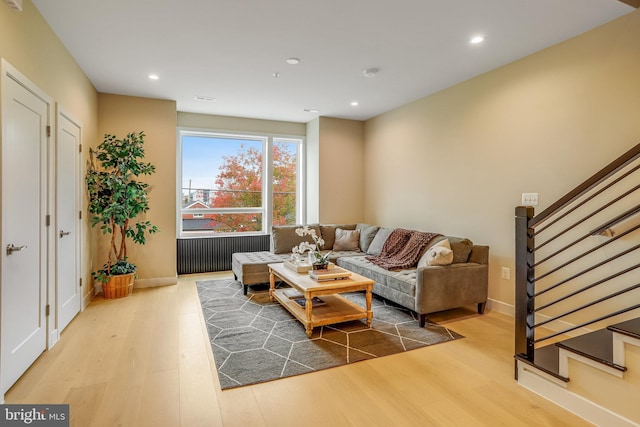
(267, 188)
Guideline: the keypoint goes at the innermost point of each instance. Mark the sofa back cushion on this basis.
(367, 233)
(328, 232)
(284, 237)
(375, 248)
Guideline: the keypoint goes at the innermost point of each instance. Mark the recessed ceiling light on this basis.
(477, 39)
(354, 103)
(311, 110)
(153, 76)
(205, 98)
(293, 61)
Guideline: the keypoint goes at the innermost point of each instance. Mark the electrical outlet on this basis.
(506, 273)
(530, 199)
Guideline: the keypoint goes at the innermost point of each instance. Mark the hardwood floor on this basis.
(145, 360)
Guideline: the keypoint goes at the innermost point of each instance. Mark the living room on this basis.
(454, 162)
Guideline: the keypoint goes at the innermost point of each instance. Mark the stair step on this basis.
(547, 360)
(630, 328)
(597, 346)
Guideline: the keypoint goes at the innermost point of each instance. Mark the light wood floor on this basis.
(145, 360)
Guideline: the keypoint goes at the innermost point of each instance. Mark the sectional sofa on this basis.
(460, 280)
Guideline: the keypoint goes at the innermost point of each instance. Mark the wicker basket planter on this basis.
(118, 286)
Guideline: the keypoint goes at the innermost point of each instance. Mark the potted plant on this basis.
(116, 199)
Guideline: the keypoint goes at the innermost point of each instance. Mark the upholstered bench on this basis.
(250, 268)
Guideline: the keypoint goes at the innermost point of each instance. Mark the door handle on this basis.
(11, 249)
(64, 233)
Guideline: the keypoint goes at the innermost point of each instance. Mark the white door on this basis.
(23, 323)
(68, 295)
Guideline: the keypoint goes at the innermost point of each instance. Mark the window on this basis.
(232, 183)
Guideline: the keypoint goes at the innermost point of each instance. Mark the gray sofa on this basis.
(423, 290)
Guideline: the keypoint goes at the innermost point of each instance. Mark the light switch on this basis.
(530, 199)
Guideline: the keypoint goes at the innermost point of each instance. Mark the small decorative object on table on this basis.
(317, 259)
(297, 266)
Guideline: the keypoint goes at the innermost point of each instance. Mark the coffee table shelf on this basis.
(336, 309)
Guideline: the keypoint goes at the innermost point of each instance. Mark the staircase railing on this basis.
(576, 260)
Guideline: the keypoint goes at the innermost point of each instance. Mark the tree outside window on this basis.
(224, 180)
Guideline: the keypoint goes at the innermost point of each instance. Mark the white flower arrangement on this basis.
(313, 248)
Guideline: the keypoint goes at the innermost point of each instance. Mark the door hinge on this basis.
(81, 282)
(47, 310)
(48, 130)
(80, 148)
(79, 214)
(48, 220)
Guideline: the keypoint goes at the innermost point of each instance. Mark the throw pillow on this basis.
(328, 232)
(438, 254)
(375, 248)
(367, 233)
(284, 238)
(347, 240)
(461, 248)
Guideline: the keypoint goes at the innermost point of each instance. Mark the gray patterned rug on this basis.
(255, 340)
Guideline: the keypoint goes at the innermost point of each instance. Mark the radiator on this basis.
(214, 253)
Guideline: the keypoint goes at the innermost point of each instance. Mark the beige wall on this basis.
(119, 115)
(312, 168)
(457, 162)
(28, 44)
(340, 161)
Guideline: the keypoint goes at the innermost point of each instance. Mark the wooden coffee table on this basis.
(336, 309)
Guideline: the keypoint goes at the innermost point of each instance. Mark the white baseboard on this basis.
(501, 307)
(572, 402)
(155, 282)
(54, 337)
(87, 299)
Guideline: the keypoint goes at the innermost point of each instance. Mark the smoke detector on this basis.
(14, 4)
(370, 72)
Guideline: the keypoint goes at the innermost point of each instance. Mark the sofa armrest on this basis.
(444, 287)
(479, 254)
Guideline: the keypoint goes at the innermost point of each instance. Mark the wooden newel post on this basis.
(525, 289)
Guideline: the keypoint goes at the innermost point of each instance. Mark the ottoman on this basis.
(250, 268)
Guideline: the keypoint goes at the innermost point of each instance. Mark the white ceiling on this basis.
(230, 49)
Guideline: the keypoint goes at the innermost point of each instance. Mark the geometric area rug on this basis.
(256, 340)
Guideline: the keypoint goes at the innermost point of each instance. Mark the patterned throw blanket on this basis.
(402, 249)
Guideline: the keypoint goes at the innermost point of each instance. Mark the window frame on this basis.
(266, 210)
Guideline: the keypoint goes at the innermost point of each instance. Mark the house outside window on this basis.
(238, 183)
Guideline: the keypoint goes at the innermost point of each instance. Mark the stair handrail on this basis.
(587, 185)
(525, 232)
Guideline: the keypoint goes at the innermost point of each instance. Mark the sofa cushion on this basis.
(284, 237)
(367, 233)
(403, 281)
(328, 232)
(438, 254)
(347, 240)
(461, 248)
(375, 247)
